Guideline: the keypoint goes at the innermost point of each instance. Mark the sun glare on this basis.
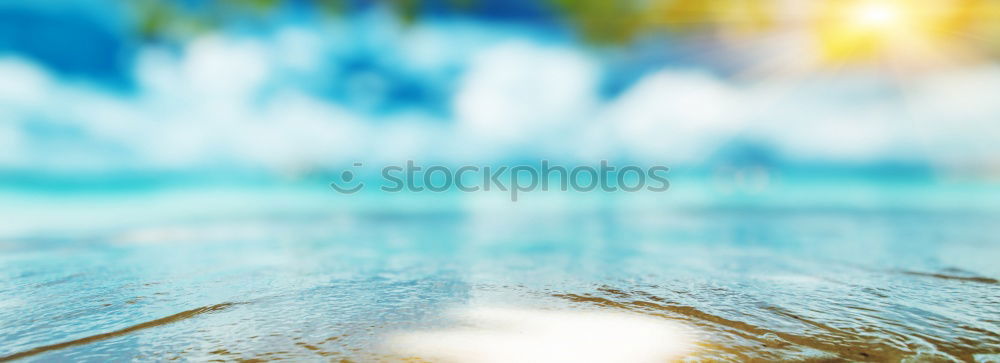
(876, 29)
(878, 14)
(905, 35)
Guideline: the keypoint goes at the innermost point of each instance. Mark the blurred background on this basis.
(851, 131)
(740, 95)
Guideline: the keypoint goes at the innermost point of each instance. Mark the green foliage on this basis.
(598, 20)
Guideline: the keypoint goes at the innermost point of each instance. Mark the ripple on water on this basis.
(745, 287)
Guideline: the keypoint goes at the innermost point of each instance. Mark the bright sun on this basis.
(868, 29)
(904, 35)
(878, 14)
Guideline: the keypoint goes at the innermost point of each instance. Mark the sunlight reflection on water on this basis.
(492, 334)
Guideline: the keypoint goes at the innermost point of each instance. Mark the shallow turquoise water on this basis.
(765, 282)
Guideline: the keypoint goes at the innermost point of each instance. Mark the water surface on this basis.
(771, 283)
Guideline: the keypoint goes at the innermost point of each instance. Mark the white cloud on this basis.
(24, 84)
(521, 91)
(683, 116)
(955, 116)
(675, 115)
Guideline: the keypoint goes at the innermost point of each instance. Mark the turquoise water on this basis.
(185, 276)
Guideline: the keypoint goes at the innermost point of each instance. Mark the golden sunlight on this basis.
(878, 15)
(858, 30)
